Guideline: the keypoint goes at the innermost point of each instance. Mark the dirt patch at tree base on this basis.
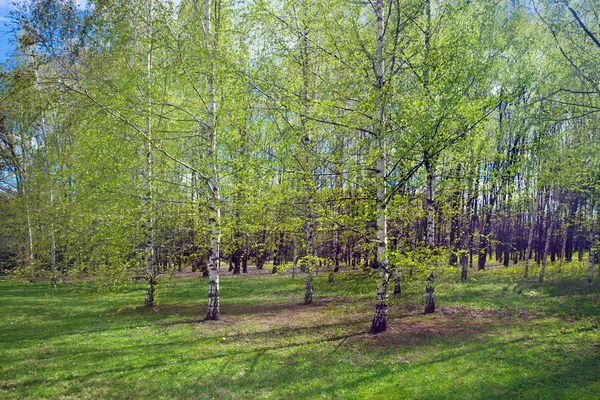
(411, 326)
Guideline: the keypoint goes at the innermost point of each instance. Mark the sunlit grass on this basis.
(494, 337)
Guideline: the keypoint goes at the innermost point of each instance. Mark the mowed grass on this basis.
(494, 337)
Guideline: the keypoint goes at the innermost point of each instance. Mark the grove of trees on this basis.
(401, 137)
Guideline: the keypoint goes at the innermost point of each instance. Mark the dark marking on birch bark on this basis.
(379, 323)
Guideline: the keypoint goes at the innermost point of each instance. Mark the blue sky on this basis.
(5, 47)
(5, 31)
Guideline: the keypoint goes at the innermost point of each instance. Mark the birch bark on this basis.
(211, 38)
(379, 323)
(151, 268)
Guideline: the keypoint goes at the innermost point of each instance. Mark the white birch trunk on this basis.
(546, 248)
(429, 201)
(151, 268)
(22, 187)
(530, 241)
(295, 262)
(430, 295)
(32, 271)
(52, 237)
(379, 323)
(592, 256)
(563, 248)
(429, 195)
(308, 176)
(310, 252)
(213, 312)
(51, 190)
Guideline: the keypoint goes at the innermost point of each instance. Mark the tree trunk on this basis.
(563, 250)
(338, 250)
(430, 206)
(151, 267)
(213, 312)
(529, 248)
(50, 182)
(483, 244)
(295, 261)
(429, 293)
(261, 251)
(379, 323)
(397, 282)
(278, 257)
(245, 255)
(52, 238)
(308, 287)
(310, 252)
(464, 263)
(237, 259)
(546, 248)
(150, 292)
(592, 256)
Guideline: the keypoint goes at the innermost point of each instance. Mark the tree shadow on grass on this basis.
(189, 359)
(282, 349)
(67, 323)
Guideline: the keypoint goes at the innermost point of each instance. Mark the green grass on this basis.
(495, 337)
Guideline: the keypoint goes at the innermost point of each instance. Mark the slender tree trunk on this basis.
(507, 231)
(483, 240)
(245, 255)
(397, 281)
(546, 247)
(151, 267)
(261, 250)
(379, 323)
(21, 177)
(213, 312)
(430, 204)
(308, 169)
(573, 211)
(429, 295)
(428, 161)
(278, 259)
(295, 261)
(529, 246)
(592, 256)
(52, 237)
(237, 259)
(30, 253)
(337, 249)
(50, 183)
(563, 250)
(464, 263)
(308, 288)
(310, 252)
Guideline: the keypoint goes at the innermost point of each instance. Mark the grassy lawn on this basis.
(495, 337)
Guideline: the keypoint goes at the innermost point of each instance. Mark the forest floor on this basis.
(496, 336)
